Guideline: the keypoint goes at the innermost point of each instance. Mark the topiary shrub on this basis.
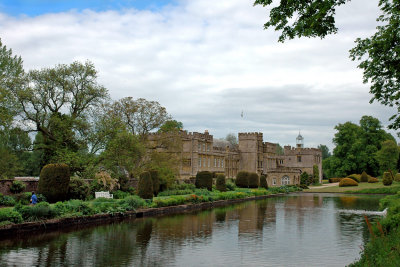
(387, 179)
(397, 177)
(78, 189)
(17, 187)
(145, 186)
(355, 177)
(372, 180)
(364, 177)
(347, 182)
(263, 182)
(254, 180)
(204, 180)
(221, 183)
(54, 182)
(242, 179)
(334, 180)
(156, 181)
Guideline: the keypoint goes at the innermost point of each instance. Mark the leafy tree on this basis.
(170, 126)
(378, 54)
(232, 139)
(388, 156)
(279, 149)
(305, 179)
(325, 151)
(316, 174)
(56, 102)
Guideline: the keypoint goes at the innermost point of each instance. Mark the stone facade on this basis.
(199, 152)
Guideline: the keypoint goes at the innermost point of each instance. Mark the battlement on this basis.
(289, 150)
(251, 136)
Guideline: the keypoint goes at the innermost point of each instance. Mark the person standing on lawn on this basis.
(34, 199)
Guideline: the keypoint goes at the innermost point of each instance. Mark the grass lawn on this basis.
(377, 188)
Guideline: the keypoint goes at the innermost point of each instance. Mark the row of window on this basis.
(284, 181)
(218, 162)
(203, 147)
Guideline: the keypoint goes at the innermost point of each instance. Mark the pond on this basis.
(293, 230)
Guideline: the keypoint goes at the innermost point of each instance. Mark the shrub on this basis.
(254, 180)
(156, 181)
(42, 210)
(104, 178)
(120, 194)
(221, 183)
(372, 180)
(230, 186)
(242, 179)
(204, 180)
(387, 179)
(10, 215)
(347, 182)
(316, 174)
(78, 188)
(364, 177)
(17, 187)
(397, 177)
(263, 182)
(305, 179)
(6, 200)
(132, 203)
(145, 186)
(355, 177)
(334, 180)
(183, 186)
(54, 182)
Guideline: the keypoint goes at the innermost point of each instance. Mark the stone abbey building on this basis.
(200, 152)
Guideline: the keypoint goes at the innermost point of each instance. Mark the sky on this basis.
(206, 61)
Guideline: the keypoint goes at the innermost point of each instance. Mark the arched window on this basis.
(285, 180)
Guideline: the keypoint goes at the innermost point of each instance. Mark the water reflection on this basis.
(294, 230)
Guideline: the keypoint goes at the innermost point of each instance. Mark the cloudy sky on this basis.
(206, 61)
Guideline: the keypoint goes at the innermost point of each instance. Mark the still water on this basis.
(293, 230)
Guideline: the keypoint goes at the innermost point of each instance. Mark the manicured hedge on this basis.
(254, 180)
(335, 180)
(54, 182)
(364, 177)
(347, 182)
(145, 186)
(263, 181)
(204, 180)
(397, 177)
(387, 179)
(242, 179)
(221, 183)
(156, 181)
(355, 177)
(372, 180)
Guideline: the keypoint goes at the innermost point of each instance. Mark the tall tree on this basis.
(325, 151)
(379, 54)
(232, 139)
(388, 156)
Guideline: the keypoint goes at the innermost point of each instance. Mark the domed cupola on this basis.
(299, 141)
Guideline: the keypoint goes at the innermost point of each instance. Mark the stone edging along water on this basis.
(13, 230)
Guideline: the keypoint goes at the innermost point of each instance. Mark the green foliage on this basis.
(387, 179)
(156, 181)
(78, 189)
(221, 183)
(120, 194)
(242, 179)
(364, 177)
(254, 180)
(170, 126)
(204, 180)
(145, 186)
(305, 179)
(132, 203)
(355, 177)
(40, 211)
(183, 186)
(176, 192)
(316, 174)
(397, 177)
(6, 200)
(325, 151)
(230, 186)
(10, 215)
(372, 180)
(347, 182)
(17, 187)
(388, 156)
(334, 180)
(54, 182)
(263, 182)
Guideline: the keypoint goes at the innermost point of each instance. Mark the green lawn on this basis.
(377, 188)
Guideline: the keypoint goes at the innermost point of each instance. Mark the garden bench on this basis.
(104, 194)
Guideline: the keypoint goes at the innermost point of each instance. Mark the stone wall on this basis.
(31, 185)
